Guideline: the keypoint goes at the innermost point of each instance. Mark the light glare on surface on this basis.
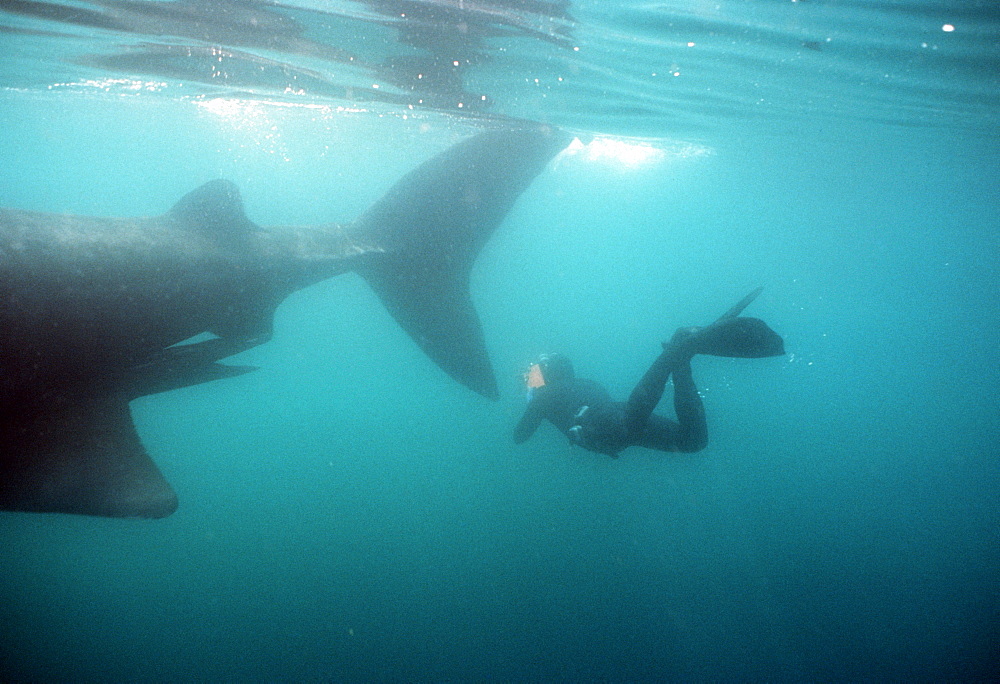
(631, 153)
(122, 85)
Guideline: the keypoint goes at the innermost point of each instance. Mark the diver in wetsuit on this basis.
(585, 412)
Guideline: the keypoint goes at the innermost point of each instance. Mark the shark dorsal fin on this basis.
(214, 208)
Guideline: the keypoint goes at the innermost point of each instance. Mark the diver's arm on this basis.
(529, 422)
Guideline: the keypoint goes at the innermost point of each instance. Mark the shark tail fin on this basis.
(84, 457)
(430, 226)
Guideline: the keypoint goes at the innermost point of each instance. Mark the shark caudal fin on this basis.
(432, 224)
(81, 456)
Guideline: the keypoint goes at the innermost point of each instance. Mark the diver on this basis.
(585, 412)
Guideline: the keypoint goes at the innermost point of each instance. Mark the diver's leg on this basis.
(692, 434)
(660, 433)
(647, 393)
(688, 435)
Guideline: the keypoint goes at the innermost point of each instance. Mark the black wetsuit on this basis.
(608, 426)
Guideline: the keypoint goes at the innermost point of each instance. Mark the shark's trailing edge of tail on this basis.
(432, 224)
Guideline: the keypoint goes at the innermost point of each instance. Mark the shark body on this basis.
(93, 310)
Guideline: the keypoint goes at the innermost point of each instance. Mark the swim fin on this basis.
(737, 308)
(741, 337)
(736, 336)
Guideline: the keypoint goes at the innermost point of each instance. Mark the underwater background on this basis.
(350, 513)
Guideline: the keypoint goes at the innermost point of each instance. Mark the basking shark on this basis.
(95, 312)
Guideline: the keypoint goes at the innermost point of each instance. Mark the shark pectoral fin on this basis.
(83, 457)
(439, 316)
(431, 225)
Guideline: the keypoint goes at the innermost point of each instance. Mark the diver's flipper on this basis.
(734, 336)
(81, 457)
(432, 224)
(739, 337)
(737, 308)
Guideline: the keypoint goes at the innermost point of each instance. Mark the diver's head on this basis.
(555, 368)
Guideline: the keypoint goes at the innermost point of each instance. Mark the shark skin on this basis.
(94, 311)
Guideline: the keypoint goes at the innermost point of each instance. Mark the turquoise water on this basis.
(349, 513)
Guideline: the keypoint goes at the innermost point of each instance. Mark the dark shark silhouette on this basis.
(93, 311)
